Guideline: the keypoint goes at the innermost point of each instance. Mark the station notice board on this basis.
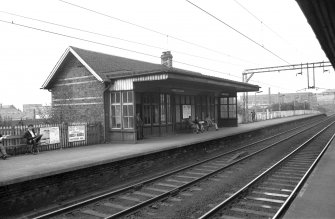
(187, 111)
(50, 135)
(77, 133)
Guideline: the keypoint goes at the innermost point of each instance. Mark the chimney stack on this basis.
(166, 59)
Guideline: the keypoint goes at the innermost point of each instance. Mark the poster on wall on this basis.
(187, 111)
(77, 133)
(50, 135)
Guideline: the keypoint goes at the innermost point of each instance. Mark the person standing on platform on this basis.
(2, 147)
(253, 114)
(32, 138)
(139, 126)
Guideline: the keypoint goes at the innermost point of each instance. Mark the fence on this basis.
(276, 114)
(93, 135)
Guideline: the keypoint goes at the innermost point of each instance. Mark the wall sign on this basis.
(77, 133)
(187, 111)
(50, 135)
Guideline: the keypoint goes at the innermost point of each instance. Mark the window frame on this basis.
(126, 101)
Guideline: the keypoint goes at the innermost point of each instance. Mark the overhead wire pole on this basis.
(300, 67)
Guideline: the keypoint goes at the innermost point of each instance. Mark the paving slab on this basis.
(26, 167)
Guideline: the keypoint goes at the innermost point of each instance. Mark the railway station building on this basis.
(88, 86)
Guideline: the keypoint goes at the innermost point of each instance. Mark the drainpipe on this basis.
(108, 86)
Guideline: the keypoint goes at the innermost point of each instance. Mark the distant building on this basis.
(36, 111)
(30, 111)
(11, 112)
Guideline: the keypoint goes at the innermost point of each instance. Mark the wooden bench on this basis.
(16, 144)
(193, 127)
(208, 126)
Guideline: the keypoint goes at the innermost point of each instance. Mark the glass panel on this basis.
(118, 110)
(147, 114)
(113, 110)
(223, 100)
(130, 110)
(112, 97)
(130, 96)
(125, 122)
(192, 100)
(131, 122)
(224, 108)
(118, 122)
(124, 96)
(113, 122)
(177, 113)
(156, 114)
(163, 117)
(125, 110)
(168, 108)
(117, 97)
(232, 100)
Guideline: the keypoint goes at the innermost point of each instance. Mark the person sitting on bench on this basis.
(210, 123)
(32, 139)
(2, 147)
(193, 125)
(199, 124)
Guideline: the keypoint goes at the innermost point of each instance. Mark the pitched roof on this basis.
(107, 67)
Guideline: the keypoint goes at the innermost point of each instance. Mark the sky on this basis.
(266, 33)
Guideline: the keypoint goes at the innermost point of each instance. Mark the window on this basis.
(122, 110)
(232, 107)
(168, 108)
(116, 110)
(155, 109)
(163, 112)
(177, 113)
(128, 110)
(228, 107)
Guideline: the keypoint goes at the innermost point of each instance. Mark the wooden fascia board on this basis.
(237, 86)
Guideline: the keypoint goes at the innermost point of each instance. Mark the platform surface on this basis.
(26, 167)
(316, 200)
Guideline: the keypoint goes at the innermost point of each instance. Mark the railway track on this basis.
(132, 198)
(270, 193)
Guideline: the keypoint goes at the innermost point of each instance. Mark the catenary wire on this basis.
(242, 34)
(117, 38)
(154, 31)
(120, 48)
(265, 25)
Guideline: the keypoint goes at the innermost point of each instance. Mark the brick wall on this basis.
(77, 96)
